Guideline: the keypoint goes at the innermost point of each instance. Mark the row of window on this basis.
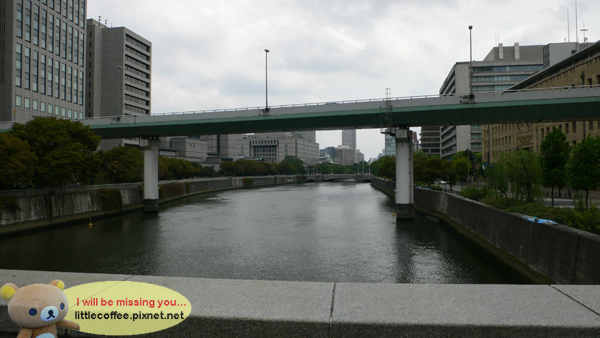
(39, 73)
(38, 27)
(490, 88)
(523, 68)
(137, 43)
(42, 107)
(497, 78)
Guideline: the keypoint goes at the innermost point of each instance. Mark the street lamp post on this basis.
(266, 83)
(121, 90)
(470, 61)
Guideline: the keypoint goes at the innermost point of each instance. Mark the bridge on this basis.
(394, 114)
(338, 177)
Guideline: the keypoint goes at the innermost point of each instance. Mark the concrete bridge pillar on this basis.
(404, 174)
(150, 147)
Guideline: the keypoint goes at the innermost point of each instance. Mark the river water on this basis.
(326, 232)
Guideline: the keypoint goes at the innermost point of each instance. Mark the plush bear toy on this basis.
(38, 308)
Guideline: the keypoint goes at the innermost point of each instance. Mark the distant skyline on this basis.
(210, 55)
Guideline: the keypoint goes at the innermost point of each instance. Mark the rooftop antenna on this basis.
(584, 30)
(568, 26)
(576, 32)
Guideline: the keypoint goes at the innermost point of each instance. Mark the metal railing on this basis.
(401, 98)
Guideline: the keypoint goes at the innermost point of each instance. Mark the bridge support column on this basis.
(150, 147)
(404, 175)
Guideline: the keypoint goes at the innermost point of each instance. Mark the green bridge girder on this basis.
(486, 108)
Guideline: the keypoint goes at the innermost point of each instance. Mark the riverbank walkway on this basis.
(242, 308)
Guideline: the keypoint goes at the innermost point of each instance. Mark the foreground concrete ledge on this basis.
(243, 308)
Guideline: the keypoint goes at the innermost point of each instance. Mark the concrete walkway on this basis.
(241, 308)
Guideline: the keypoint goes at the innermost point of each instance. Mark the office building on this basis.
(42, 60)
(579, 69)
(349, 138)
(274, 147)
(345, 154)
(119, 71)
(500, 69)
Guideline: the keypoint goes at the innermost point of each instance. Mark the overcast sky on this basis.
(210, 54)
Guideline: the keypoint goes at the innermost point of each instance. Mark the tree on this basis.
(554, 156)
(522, 170)
(16, 160)
(387, 168)
(120, 165)
(61, 146)
(460, 167)
(583, 169)
(296, 163)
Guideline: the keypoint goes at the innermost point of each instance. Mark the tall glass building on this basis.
(42, 59)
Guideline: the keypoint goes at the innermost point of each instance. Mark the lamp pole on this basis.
(266, 82)
(470, 61)
(121, 90)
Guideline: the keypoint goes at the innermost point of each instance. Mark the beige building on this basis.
(580, 69)
(274, 147)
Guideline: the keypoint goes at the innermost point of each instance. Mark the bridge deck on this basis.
(486, 108)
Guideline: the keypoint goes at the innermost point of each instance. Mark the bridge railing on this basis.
(400, 98)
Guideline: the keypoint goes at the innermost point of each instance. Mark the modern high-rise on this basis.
(119, 71)
(349, 138)
(119, 75)
(42, 59)
(499, 70)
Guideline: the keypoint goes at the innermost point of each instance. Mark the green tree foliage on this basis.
(583, 169)
(554, 156)
(232, 168)
(296, 163)
(520, 171)
(460, 167)
(387, 167)
(62, 148)
(430, 169)
(120, 165)
(330, 168)
(16, 160)
(174, 168)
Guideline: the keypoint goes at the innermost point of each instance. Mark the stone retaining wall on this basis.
(563, 254)
(49, 207)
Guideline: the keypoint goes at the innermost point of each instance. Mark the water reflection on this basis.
(342, 232)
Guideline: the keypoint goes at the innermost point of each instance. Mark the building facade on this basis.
(500, 69)
(579, 69)
(274, 147)
(42, 59)
(119, 72)
(349, 138)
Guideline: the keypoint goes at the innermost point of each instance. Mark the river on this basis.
(326, 232)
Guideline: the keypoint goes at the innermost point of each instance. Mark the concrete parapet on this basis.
(243, 308)
(561, 253)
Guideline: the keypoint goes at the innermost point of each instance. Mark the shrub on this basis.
(475, 193)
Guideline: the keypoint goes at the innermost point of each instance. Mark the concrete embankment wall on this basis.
(561, 253)
(246, 308)
(50, 207)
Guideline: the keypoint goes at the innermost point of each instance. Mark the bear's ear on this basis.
(7, 291)
(59, 284)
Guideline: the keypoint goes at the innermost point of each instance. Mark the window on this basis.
(566, 128)
(43, 107)
(18, 101)
(35, 105)
(64, 112)
(574, 126)
(591, 125)
(27, 103)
